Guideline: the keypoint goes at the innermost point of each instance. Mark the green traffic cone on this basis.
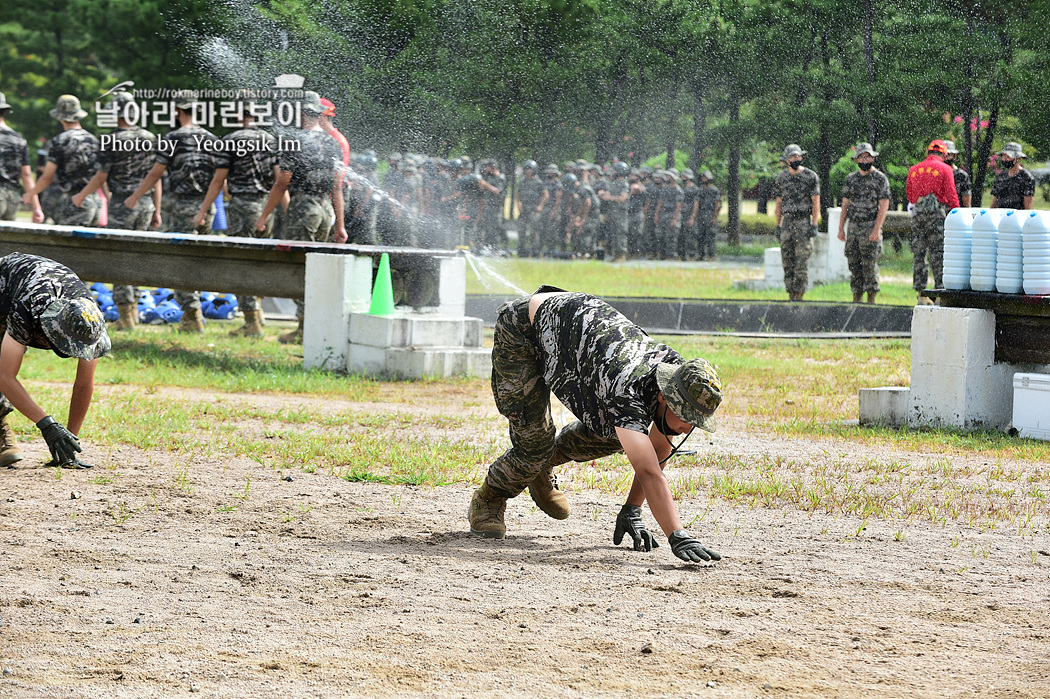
(383, 291)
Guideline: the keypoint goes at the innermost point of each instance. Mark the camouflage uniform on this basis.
(28, 285)
(126, 165)
(706, 231)
(530, 222)
(927, 238)
(75, 153)
(1011, 191)
(796, 243)
(669, 198)
(600, 365)
(864, 193)
(551, 215)
(650, 247)
(250, 164)
(492, 211)
(688, 247)
(617, 214)
(14, 155)
(963, 186)
(585, 240)
(636, 220)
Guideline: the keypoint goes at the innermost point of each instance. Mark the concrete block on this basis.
(773, 266)
(953, 337)
(438, 362)
(887, 406)
(473, 332)
(366, 360)
(452, 286)
(434, 332)
(333, 289)
(378, 331)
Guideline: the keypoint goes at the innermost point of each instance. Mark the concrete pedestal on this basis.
(827, 264)
(340, 335)
(955, 380)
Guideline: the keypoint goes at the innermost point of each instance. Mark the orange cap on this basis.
(329, 108)
(938, 146)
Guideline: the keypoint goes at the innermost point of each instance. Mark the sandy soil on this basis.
(316, 587)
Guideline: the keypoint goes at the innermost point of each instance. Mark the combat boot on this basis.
(545, 493)
(858, 296)
(9, 453)
(129, 316)
(486, 513)
(251, 327)
(871, 296)
(294, 337)
(192, 321)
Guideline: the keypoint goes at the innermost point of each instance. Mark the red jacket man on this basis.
(933, 176)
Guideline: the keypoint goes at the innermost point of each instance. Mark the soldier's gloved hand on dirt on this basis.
(63, 444)
(629, 521)
(75, 463)
(689, 549)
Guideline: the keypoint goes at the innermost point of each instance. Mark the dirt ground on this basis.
(317, 587)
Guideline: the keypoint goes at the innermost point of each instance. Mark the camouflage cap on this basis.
(692, 390)
(312, 103)
(792, 149)
(864, 147)
(707, 175)
(952, 150)
(121, 98)
(3, 102)
(1013, 150)
(687, 174)
(551, 169)
(184, 99)
(67, 108)
(76, 328)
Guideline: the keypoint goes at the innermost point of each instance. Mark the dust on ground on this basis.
(233, 580)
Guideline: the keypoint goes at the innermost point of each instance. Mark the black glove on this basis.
(629, 521)
(63, 444)
(75, 463)
(812, 230)
(776, 232)
(689, 549)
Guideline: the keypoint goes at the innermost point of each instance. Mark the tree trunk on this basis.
(699, 127)
(869, 60)
(733, 177)
(968, 107)
(824, 141)
(672, 123)
(984, 150)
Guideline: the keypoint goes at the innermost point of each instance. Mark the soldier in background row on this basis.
(636, 213)
(586, 212)
(931, 194)
(963, 186)
(359, 200)
(797, 191)
(654, 183)
(615, 198)
(493, 188)
(122, 166)
(311, 176)
(72, 161)
(16, 175)
(187, 161)
(527, 195)
(687, 242)
(247, 166)
(667, 217)
(709, 203)
(865, 201)
(550, 208)
(1013, 187)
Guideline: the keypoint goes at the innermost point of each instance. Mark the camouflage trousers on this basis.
(795, 249)
(49, 200)
(530, 231)
(10, 200)
(522, 396)
(927, 238)
(309, 219)
(707, 237)
(585, 239)
(688, 243)
(137, 219)
(180, 211)
(666, 240)
(553, 232)
(242, 211)
(618, 234)
(65, 214)
(863, 257)
(636, 233)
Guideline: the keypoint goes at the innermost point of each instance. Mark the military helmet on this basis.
(621, 169)
(581, 162)
(687, 174)
(455, 164)
(569, 180)
(645, 170)
(792, 149)
(551, 169)
(530, 165)
(570, 165)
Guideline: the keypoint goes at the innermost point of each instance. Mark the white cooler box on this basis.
(1032, 405)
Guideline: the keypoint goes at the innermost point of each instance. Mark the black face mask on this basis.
(795, 164)
(661, 424)
(1007, 163)
(865, 166)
